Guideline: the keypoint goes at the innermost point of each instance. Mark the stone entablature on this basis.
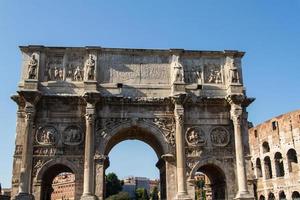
(275, 147)
(68, 70)
(76, 104)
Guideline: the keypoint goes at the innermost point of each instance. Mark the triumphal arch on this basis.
(76, 103)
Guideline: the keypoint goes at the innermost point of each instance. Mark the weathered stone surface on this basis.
(275, 147)
(189, 106)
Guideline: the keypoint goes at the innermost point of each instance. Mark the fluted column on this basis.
(180, 153)
(89, 178)
(25, 173)
(236, 116)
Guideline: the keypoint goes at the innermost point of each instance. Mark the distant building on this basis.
(5, 193)
(63, 187)
(133, 183)
(275, 151)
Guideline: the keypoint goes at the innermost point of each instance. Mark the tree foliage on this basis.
(141, 194)
(119, 196)
(154, 194)
(113, 184)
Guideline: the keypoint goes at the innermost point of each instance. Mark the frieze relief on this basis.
(46, 151)
(219, 136)
(72, 135)
(75, 67)
(46, 135)
(212, 73)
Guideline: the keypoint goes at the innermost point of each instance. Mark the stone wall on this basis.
(275, 148)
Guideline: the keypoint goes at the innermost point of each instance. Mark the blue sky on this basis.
(268, 31)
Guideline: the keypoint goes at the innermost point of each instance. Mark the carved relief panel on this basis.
(58, 139)
(75, 66)
(193, 70)
(54, 67)
(213, 71)
(195, 136)
(219, 136)
(47, 135)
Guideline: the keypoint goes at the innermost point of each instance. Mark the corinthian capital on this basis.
(236, 113)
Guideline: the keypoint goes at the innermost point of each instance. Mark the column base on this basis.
(88, 197)
(244, 196)
(24, 196)
(182, 197)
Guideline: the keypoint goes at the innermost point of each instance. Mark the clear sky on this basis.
(268, 31)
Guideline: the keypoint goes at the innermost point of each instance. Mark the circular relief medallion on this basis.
(219, 136)
(195, 136)
(72, 135)
(46, 135)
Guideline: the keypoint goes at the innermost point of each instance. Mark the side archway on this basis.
(216, 175)
(43, 183)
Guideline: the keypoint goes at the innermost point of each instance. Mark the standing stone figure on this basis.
(234, 74)
(178, 76)
(90, 68)
(32, 67)
(199, 76)
(77, 74)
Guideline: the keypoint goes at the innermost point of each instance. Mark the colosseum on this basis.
(275, 147)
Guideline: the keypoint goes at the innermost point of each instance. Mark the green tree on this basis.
(119, 196)
(113, 184)
(141, 194)
(154, 193)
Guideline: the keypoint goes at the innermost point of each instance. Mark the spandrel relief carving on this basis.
(219, 136)
(72, 135)
(54, 68)
(32, 67)
(195, 136)
(47, 135)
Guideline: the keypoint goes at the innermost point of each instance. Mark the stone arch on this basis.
(217, 175)
(279, 164)
(282, 195)
(266, 147)
(53, 162)
(258, 168)
(50, 170)
(146, 132)
(262, 197)
(295, 195)
(268, 167)
(292, 160)
(271, 196)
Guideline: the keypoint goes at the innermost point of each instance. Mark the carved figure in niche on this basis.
(195, 136)
(199, 76)
(219, 136)
(90, 68)
(72, 135)
(46, 135)
(77, 74)
(234, 74)
(56, 73)
(32, 67)
(178, 70)
(61, 74)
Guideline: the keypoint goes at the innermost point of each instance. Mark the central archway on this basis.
(150, 135)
